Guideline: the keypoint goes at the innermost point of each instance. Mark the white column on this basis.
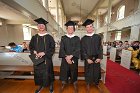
(97, 19)
(109, 11)
(64, 21)
(108, 19)
(135, 33)
(57, 11)
(61, 17)
(45, 4)
(105, 37)
(139, 5)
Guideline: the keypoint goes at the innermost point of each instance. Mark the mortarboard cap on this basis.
(70, 23)
(41, 21)
(87, 22)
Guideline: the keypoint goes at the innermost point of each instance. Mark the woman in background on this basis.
(135, 53)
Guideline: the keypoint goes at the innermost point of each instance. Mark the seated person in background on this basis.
(109, 48)
(114, 44)
(126, 45)
(119, 49)
(135, 53)
(25, 46)
(14, 47)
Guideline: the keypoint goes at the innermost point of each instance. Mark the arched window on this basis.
(118, 35)
(121, 11)
(26, 32)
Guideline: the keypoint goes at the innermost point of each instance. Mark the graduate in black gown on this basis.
(69, 52)
(43, 45)
(91, 52)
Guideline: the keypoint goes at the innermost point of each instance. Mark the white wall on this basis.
(3, 34)
(125, 35)
(11, 33)
(132, 21)
(15, 34)
(135, 33)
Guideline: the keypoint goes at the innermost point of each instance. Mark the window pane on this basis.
(118, 35)
(121, 12)
(26, 33)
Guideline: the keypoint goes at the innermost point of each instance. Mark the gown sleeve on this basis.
(76, 52)
(84, 55)
(32, 45)
(50, 51)
(100, 54)
(62, 52)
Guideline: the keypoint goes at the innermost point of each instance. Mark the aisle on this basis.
(121, 80)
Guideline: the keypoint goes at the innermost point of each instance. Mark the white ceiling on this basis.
(78, 8)
(73, 9)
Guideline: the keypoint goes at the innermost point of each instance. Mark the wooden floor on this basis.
(27, 86)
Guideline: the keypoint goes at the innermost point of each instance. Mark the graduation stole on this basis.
(44, 45)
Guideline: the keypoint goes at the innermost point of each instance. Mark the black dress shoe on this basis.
(39, 89)
(36, 91)
(99, 88)
(51, 91)
(51, 87)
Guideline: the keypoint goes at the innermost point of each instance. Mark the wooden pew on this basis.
(13, 68)
(20, 62)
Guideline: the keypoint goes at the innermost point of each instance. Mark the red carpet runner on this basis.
(121, 80)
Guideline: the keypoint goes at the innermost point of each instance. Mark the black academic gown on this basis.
(43, 73)
(91, 48)
(69, 46)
